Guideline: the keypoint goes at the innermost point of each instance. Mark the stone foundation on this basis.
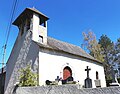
(66, 89)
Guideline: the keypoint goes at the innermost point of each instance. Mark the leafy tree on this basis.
(27, 77)
(92, 46)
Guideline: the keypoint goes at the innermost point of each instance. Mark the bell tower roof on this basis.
(28, 12)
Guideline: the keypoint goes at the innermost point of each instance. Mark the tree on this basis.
(117, 49)
(107, 46)
(92, 46)
(27, 77)
(109, 54)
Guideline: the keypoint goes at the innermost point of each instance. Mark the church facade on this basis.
(48, 57)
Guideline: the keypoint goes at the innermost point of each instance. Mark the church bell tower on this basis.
(34, 21)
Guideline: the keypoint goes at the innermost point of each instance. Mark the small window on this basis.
(97, 75)
(28, 24)
(42, 22)
(40, 39)
(22, 29)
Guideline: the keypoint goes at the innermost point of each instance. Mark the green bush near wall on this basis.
(110, 81)
(118, 80)
(28, 78)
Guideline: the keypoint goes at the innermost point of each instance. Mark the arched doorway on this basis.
(67, 72)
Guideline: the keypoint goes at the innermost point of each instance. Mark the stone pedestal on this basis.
(114, 80)
(97, 83)
(88, 83)
(114, 84)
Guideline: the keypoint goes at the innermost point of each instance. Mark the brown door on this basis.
(67, 72)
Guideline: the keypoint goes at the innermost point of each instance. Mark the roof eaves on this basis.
(28, 10)
(38, 12)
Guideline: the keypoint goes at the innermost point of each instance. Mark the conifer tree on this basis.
(109, 54)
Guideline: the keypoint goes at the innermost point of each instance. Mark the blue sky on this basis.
(68, 19)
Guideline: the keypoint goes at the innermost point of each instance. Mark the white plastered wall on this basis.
(36, 21)
(51, 66)
(39, 29)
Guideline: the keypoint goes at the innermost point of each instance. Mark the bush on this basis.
(108, 82)
(28, 78)
(118, 80)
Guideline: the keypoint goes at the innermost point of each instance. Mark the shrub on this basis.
(28, 78)
(118, 80)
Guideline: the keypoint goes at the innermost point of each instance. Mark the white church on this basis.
(50, 58)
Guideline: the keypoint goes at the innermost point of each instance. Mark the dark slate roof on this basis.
(26, 14)
(66, 47)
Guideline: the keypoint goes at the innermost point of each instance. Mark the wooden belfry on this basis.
(88, 81)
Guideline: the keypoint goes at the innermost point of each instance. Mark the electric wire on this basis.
(11, 19)
(7, 34)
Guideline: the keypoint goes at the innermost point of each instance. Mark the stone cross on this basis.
(87, 69)
(88, 81)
